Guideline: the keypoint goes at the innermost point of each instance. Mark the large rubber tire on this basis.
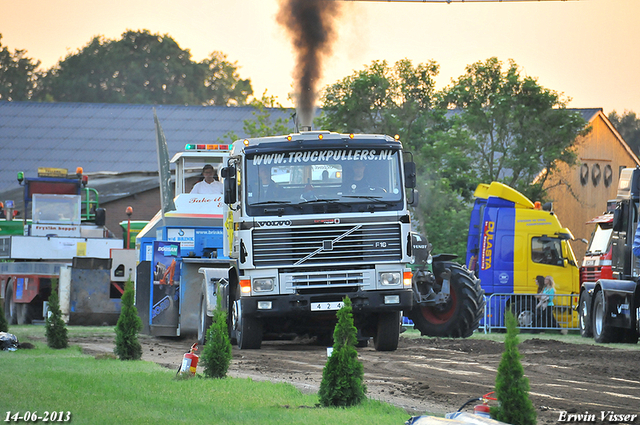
(10, 312)
(23, 314)
(461, 315)
(204, 323)
(248, 330)
(388, 332)
(601, 331)
(584, 315)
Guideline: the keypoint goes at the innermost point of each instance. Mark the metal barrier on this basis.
(529, 312)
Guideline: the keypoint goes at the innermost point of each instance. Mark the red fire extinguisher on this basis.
(190, 360)
(484, 409)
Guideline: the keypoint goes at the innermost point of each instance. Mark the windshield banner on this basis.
(322, 156)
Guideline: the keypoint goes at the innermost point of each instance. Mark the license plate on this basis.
(589, 262)
(326, 306)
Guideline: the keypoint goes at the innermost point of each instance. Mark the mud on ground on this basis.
(439, 375)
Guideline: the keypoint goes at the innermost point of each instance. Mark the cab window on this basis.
(545, 250)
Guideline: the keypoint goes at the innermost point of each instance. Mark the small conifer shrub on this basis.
(55, 328)
(216, 355)
(129, 324)
(343, 376)
(512, 387)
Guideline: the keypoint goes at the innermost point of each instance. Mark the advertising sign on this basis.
(165, 289)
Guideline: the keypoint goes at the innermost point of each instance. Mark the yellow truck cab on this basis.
(511, 241)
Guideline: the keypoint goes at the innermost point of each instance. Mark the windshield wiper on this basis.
(370, 198)
(315, 201)
(269, 202)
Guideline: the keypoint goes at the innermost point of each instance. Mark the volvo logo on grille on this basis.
(327, 245)
(274, 223)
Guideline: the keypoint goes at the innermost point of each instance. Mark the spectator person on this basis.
(540, 282)
(210, 184)
(545, 304)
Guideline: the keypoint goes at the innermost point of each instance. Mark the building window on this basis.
(584, 174)
(596, 174)
(608, 175)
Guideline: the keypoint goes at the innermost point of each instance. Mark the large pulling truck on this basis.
(306, 220)
(65, 239)
(609, 307)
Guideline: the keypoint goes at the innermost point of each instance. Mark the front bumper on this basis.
(363, 302)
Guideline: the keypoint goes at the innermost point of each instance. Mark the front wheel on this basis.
(601, 331)
(460, 315)
(388, 332)
(24, 313)
(584, 315)
(248, 330)
(204, 323)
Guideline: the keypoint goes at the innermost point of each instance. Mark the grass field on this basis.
(108, 391)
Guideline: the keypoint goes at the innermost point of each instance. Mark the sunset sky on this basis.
(587, 49)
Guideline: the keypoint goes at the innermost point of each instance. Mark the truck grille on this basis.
(300, 280)
(590, 274)
(314, 245)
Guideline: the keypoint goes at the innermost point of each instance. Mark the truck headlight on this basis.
(390, 279)
(263, 284)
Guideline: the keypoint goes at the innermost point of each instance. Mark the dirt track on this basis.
(439, 375)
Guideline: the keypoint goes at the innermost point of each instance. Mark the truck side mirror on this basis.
(229, 176)
(618, 222)
(415, 198)
(410, 174)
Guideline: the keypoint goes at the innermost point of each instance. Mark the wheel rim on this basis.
(583, 315)
(236, 316)
(525, 319)
(203, 315)
(440, 315)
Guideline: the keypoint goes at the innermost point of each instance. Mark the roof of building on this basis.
(106, 137)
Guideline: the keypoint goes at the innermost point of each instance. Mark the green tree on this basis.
(216, 355)
(223, 85)
(343, 375)
(18, 74)
(516, 127)
(143, 68)
(262, 124)
(55, 329)
(381, 99)
(129, 324)
(400, 100)
(628, 125)
(512, 387)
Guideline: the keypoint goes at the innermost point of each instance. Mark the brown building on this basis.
(580, 193)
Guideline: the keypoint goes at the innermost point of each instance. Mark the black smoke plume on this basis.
(310, 24)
